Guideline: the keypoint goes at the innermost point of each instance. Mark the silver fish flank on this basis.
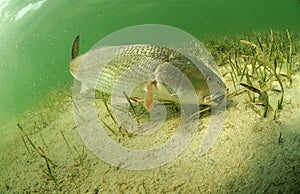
(105, 65)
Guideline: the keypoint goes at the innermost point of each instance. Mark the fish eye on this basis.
(209, 79)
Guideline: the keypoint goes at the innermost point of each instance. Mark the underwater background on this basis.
(36, 36)
(256, 45)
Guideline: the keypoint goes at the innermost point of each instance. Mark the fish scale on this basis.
(144, 54)
(101, 67)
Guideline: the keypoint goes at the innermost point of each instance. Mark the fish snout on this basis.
(214, 99)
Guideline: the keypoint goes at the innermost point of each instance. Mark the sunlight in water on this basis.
(28, 8)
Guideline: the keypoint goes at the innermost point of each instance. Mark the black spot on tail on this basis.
(75, 47)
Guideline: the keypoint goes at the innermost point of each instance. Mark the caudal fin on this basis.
(75, 47)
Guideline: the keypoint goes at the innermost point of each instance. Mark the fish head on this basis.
(207, 83)
(213, 90)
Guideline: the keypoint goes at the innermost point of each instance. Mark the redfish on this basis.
(101, 67)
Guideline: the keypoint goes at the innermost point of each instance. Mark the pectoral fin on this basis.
(148, 101)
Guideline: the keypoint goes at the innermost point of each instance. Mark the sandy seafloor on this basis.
(250, 155)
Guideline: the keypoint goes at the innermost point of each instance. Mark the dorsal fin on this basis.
(75, 47)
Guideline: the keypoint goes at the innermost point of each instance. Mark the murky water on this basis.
(36, 36)
(252, 154)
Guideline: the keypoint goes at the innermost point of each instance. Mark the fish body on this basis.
(101, 68)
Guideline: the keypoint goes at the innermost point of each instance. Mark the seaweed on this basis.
(81, 156)
(258, 60)
(132, 108)
(40, 152)
(263, 97)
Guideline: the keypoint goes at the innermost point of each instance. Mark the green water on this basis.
(35, 45)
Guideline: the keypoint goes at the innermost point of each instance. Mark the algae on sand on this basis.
(252, 154)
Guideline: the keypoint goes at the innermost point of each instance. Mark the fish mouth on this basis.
(214, 99)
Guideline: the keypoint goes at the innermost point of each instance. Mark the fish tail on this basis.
(75, 47)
